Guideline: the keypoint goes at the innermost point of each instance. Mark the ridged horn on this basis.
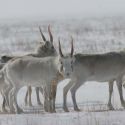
(60, 51)
(43, 37)
(72, 47)
(50, 34)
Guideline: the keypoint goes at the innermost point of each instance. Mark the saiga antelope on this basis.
(100, 67)
(45, 48)
(38, 72)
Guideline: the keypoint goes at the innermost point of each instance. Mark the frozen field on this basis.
(82, 118)
(90, 36)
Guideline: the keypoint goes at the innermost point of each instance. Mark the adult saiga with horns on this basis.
(45, 48)
(38, 72)
(100, 67)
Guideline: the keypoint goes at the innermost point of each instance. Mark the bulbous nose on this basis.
(67, 74)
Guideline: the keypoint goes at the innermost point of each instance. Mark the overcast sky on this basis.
(49, 8)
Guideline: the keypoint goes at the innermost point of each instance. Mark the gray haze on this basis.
(59, 8)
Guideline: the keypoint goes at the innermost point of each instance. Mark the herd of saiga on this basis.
(44, 68)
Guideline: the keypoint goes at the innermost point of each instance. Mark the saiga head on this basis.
(46, 47)
(67, 61)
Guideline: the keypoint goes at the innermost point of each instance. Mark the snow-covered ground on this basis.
(72, 118)
(90, 36)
